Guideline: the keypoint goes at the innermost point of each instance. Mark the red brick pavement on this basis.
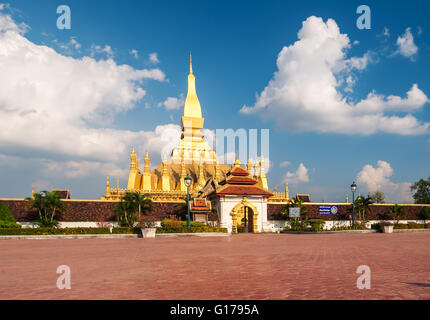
(248, 266)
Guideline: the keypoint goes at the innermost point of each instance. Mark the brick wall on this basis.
(378, 211)
(86, 210)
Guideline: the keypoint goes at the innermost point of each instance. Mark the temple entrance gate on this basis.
(244, 217)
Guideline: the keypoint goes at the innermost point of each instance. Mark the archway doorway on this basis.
(244, 218)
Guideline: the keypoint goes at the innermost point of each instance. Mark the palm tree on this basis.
(397, 212)
(126, 211)
(362, 206)
(141, 201)
(47, 205)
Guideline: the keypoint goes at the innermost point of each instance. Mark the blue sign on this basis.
(327, 209)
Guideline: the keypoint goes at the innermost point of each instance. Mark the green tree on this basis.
(362, 207)
(6, 218)
(47, 204)
(422, 191)
(378, 197)
(141, 202)
(397, 212)
(424, 214)
(126, 210)
(5, 213)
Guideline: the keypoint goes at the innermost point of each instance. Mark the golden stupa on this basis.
(192, 157)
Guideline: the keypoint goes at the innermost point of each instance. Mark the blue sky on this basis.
(235, 46)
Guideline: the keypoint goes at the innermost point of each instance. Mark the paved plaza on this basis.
(244, 266)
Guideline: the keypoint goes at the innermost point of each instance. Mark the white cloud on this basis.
(284, 164)
(173, 103)
(386, 32)
(300, 175)
(7, 23)
(378, 178)
(75, 43)
(56, 107)
(79, 169)
(96, 49)
(134, 53)
(406, 45)
(153, 58)
(304, 93)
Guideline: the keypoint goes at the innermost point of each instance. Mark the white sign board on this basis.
(294, 212)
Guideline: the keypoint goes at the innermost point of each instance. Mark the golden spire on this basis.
(249, 165)
(191, 64)
(263, 174)
(147, 162)
(165, 179)
(107, 186)
(256, 168)
(287, 192)
(192, 105)
(236, 162)
(164, 164)
(32, 191)
(134, 164)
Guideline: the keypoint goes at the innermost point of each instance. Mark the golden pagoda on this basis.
(192, 157)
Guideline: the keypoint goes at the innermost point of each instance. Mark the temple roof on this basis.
(240, 182)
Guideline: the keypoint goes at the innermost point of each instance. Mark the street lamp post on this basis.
(187, 181)
(353, 188)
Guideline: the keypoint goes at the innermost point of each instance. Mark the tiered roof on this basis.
(241, 183)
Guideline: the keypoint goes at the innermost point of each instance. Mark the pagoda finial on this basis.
(249, 165)
(237, 162)
(191, 64)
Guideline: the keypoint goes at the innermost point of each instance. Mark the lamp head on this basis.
(188, 180)
(353, 187)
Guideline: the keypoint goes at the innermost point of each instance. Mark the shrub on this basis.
(47, 223)
(6, 218)
(402, 226)
(178, 223)
(6, 214)
(48, 231)
(316, 224)
(9, 224)
(146, 222)
(376, 226)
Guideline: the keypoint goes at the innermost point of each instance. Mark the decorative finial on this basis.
(191, 64)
